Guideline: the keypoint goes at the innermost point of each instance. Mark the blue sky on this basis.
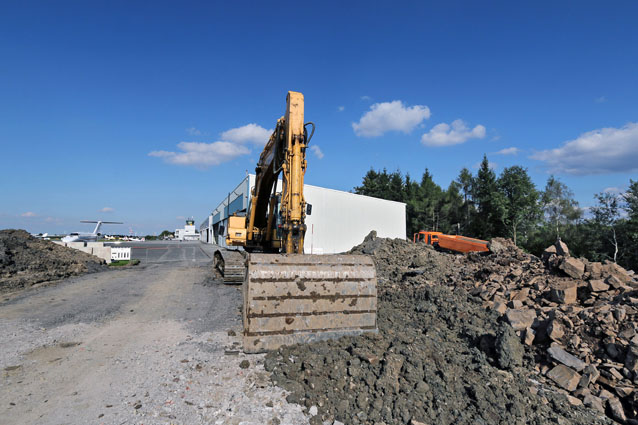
(140, 112)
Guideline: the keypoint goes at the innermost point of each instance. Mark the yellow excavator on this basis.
(290, 297)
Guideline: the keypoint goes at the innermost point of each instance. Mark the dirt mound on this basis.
(401, 262)
(440, 355)
(25, 261)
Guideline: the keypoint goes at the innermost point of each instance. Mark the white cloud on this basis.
(446, 135)
(107, 210)
(508, 151)
(231, 146)
(317, 151)
(341, 108)
(601, 151)
(366, 98)
(613, 190)
(29, 214)
(252, 133)
(601, 99)
(202, 154)
(390, 116)
(193, 131)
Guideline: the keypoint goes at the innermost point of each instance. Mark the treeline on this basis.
(510, 205)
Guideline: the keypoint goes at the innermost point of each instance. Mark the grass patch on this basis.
(120, 263)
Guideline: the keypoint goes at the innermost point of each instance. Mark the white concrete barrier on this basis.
(93, 248)
(103, 252)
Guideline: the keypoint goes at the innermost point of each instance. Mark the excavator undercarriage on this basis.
(231, 264)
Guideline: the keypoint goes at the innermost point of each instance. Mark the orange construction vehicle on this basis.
(456, 243)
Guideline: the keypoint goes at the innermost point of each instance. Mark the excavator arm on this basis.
(289, 297)
(285, 155)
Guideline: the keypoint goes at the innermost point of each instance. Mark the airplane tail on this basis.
(99, 224)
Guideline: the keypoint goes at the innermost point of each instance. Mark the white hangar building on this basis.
(339, 220)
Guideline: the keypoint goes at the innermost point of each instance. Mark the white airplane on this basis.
(87, 237)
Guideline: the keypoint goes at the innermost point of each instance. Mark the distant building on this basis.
(339, 220)
(188, 233)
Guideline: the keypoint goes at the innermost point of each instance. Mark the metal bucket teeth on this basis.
(293, 298)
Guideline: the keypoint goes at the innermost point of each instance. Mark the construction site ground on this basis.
(153, 344)
(504, 338)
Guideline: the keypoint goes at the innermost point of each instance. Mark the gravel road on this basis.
(154, 344)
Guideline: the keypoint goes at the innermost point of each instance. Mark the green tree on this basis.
(558, 204)
(606, 216)
(413, 201)
(520, 207)
(372, 184)
(431, 194)
(381, 184)
(561, 219)
(465, 181)
(631, 200)
(489, 202)
(451, 209)
(396, 189)
(631, 226)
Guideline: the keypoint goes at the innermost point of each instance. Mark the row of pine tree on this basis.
(510, 205)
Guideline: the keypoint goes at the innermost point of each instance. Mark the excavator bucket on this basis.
(295, 298)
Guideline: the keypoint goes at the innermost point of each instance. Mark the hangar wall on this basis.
(339, 220)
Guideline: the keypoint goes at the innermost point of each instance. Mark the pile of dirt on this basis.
(25, 261)
(443, 353)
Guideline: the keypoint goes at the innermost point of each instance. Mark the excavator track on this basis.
(232, 265)
(295, 298)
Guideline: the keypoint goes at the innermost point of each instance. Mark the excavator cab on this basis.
(430, 238)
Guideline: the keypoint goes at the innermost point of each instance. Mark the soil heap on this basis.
(499, 338)
(25, 261)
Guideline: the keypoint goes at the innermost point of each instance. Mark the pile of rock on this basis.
(578, 316)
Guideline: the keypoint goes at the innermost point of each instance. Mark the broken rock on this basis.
(555, 330)
(594, 402)
(616, 409)
(595, 270)
(520, 319)
(573, 267)
(614, 282)
(499, 307)
(631, 360)
(562, 356)
(561, 248)
(597, 285)
(564, 377)
(564, 292)
(616, 271)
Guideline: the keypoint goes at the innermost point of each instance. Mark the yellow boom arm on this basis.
(284, 153)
